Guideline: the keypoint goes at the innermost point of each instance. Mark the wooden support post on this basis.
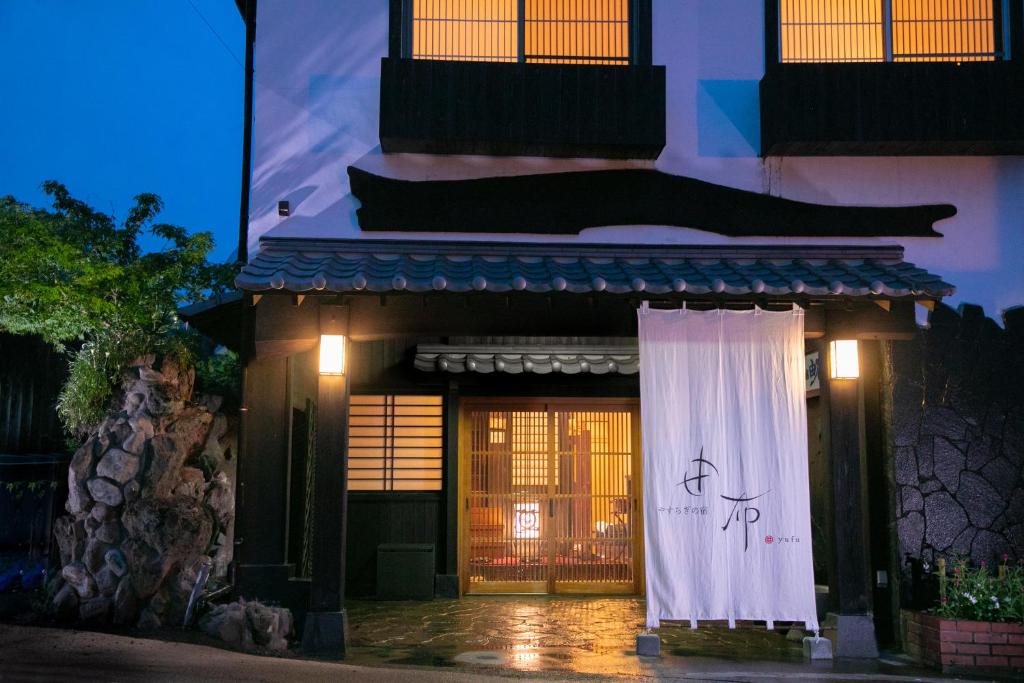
(326, 627)
(849, 584)
(448, 583)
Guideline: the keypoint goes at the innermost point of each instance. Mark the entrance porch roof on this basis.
(307, 266)
(622, 358)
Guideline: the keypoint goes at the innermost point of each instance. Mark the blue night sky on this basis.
(118, 97)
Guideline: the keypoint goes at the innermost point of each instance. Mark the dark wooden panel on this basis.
(376, 518)
(385, 366)
(297, 494)
(26, 514)
(567, 203)
(559, 110)
(31, 376)
(263, 464)
(893, 109)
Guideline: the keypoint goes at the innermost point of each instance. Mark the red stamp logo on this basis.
(769, 539)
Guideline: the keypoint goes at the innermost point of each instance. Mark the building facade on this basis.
(474, 198)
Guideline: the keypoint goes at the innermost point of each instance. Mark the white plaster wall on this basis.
(317, 78)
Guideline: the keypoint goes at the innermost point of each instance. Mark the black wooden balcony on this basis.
(940, 108)
(556, 110)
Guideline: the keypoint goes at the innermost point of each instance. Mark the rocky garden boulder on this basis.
(151, 497)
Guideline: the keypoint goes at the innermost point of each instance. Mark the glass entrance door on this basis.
(550, 497)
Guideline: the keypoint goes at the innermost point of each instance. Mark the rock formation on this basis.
(249, 625)
(150, 498)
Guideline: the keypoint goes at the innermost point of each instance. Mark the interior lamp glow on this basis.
(843, 359)
(332, 354)
(526, 520)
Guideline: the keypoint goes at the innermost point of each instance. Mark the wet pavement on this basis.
(583, 636)
(485, 639)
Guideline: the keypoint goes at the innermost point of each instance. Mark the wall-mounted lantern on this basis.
(843, 360)
(332, 354)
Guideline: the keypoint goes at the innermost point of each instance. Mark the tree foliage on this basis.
(79, 279)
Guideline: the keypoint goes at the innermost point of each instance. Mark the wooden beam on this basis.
(872, 322)
(283, 328)
(282, 348)
(471, 315)
(570, 315)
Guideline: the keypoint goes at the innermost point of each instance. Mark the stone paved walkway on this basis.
(532, 634)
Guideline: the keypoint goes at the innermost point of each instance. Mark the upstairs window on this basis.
(890, 30)
(531, 31)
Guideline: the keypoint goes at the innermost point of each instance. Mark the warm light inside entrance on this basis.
(526, 522)
(843, 359)
(332, 354)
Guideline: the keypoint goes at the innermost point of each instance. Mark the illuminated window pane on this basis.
(831, 31)
(395, 443)
(942, 30)
(856, 30)
(577, 31)
(529, 448)
(554, 31)
(484, 30)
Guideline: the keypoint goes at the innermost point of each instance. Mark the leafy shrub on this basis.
(220, 373)
(76, 277)
(975, 594)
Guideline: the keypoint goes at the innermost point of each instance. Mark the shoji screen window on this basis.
(534, 31)
(890, 30)
(395, 443)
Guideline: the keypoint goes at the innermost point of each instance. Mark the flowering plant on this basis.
(977, 595)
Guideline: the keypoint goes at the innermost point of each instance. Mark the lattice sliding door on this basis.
(594, 530)
(550, 497)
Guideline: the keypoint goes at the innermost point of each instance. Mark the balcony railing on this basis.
(821, 31)
(560, 78)
(893, 77)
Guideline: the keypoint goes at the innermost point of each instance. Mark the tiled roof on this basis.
(384, 266)
(537, 359)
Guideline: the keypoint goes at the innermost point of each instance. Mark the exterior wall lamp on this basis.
(844, 362)
(332, 354)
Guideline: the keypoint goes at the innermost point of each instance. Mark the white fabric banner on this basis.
(727, 525)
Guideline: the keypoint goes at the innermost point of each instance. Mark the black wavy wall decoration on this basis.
(566, 203)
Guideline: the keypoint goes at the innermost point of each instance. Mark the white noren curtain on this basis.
(727, 526)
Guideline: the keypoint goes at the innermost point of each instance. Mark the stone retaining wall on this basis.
(957, 437)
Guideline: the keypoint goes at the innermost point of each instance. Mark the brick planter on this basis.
(963, 646)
